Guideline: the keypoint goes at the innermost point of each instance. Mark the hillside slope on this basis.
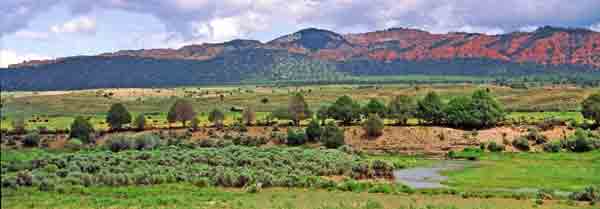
(316, 55)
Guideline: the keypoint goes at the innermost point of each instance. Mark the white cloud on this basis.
(9, 57)
(25, 34)
(595, 27)
(528, 28)
(212, 20)
(79, 25)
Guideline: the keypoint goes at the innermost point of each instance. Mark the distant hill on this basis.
(314, 55)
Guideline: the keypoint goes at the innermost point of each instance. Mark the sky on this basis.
(45, 29)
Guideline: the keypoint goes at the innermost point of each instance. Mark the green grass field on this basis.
(558, 171)
(59, 108)
(189, 196)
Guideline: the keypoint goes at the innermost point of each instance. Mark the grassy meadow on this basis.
(55, 110)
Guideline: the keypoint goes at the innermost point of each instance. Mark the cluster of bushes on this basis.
(591, 193)
(122, 142)
(329, 135)
(479, 110)
(229, 166)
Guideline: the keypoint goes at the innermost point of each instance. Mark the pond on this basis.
(429, 177)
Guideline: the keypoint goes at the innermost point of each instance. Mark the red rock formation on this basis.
(546, 45)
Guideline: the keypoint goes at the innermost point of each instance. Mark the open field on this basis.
(58, 108)
(189, 196)
(258, 167)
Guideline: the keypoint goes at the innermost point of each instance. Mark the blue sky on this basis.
(40, 29)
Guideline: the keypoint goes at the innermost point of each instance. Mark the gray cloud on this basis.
(192, 19)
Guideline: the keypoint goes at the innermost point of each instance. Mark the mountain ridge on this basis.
(546, 45)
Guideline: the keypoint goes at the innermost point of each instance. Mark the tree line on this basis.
(480, 110)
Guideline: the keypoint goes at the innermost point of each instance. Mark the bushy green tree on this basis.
(590, 108)
(140, 122)
(402, 108)
(82, 129)
(431, 109)
(375, 106)
(298, 108)
(216, 116)
(313, 131)
(485, 109)
(480, 110)
(332, 136)
(373, 126)
(181, 111)
(295, 137)
(458, 112)
(118, 116)
(345, 110)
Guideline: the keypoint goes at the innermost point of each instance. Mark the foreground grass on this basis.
(558, 171)
(189, 196)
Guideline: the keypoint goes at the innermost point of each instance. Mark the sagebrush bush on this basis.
(146, 141)
(332, 137)
(229, 166)
(495, 147)
(373, 126)
(521, 143)
(552, 147)
(591, 193)
(74, 144)
(295, 137)
(119, 142)
(32, 140)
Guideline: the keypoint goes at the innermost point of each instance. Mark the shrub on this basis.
(495, 147)
(146, 141)
(118, 116)
(521, 143)
(401, 108)
(591, 193)
(591, 108)
(298, 108)
(74, 144)
(582, 141)
(46, 186)
(182, 111)
(216, 116)
(431, 109)
(31, 140)
(253, 188)
(373, 126)
(375, 106)
(313, 131)
(345, 109)
(119, 143)
(534, 135)
(295, 137)
(552, 147)
(332, 136)
(82, 129)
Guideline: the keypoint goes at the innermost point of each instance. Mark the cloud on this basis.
(25, 34)
(595, 27)
(83, 25)
(224, 19)
(9, 57)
